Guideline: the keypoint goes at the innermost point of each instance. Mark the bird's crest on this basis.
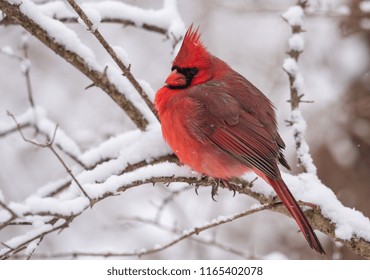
(192, 51)
(192, 36)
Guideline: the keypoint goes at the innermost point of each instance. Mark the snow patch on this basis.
(94, 17)
(294, 16)
(290, 66)
(296, 42)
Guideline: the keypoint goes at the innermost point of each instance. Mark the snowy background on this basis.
(250, 36)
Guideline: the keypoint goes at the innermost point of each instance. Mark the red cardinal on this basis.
(221, 125)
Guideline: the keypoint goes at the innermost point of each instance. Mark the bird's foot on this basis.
(229, 186)
(196, 189)
(217, 183)
(214, 190)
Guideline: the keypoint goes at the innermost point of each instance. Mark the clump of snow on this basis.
(122, 55)
(298, 83)
(31, 246)
(56, 206)
(148, 89)
(114, 75)
(303, 151)
(290, 66)
(296, 42)
(93, 15)
(167, 18)
(55, 9)
(348, 222)
(294, 16)
(19, 240)
(58, 31)
(113, 183)
(52, 187)
(4, 216)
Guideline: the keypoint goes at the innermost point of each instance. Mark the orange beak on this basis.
(176, 79)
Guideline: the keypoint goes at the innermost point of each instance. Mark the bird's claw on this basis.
(196, 189)
(229, 186)
(214, 190)
(217, 183)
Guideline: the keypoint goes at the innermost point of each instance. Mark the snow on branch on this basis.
(294, 16)
(92, 21)
(51, 211)
(165, 21)
(347, 225)
(63, 41)
(127, 161)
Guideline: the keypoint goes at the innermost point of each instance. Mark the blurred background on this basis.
(252, 38)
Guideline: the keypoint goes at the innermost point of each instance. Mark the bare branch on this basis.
(26, 71)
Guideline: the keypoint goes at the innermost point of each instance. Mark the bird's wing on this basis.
(220, 118)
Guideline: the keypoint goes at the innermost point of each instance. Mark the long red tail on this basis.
(291, 204)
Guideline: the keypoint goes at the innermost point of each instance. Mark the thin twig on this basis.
(12, 213)
(34, 249)
(49, 145)
(197, 230)
(26, 70)
(168, 200)
(125, 69)
(186, 234)
(197, 238)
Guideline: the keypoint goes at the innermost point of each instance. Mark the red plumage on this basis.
(221, 125)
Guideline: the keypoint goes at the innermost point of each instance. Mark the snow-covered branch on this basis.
(139, 158)
(63, 41)
(54, 213)
(294, 16)
(92, 26)
(165, 21)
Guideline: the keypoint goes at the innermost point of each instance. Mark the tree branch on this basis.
(126, 70)
(49, 145)
(98, 78)
(294, 16)
(73, 19)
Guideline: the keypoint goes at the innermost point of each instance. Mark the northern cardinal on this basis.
(221, 125)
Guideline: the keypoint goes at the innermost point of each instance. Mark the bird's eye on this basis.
(194, 71)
